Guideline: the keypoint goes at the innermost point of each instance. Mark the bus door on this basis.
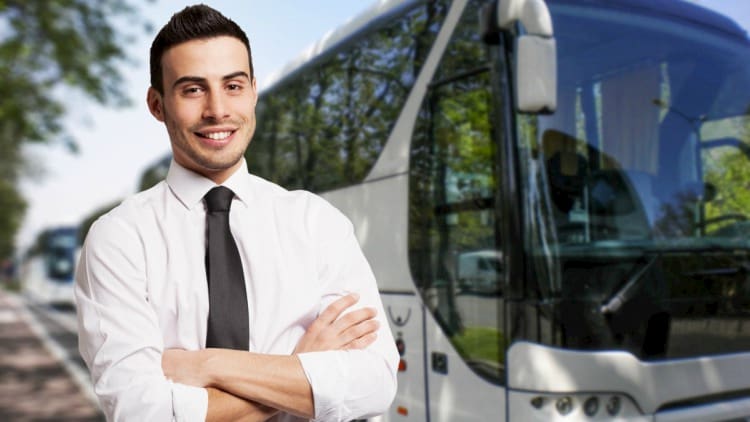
(455, 252)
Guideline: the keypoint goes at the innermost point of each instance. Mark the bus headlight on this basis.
(613, 406)
(62, 266)
(572, 406)
(564, 405)
(591, 406)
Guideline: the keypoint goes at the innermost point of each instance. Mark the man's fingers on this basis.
(362, 342)
(334, 330)
(353, 318)
(363, 329)
(332, 312)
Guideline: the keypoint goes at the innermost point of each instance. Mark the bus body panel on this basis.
(723, 411)
(406, 316)
(378, 210)
(456, 392)
(652, 385)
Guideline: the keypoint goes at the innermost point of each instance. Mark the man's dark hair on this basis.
(192, 23)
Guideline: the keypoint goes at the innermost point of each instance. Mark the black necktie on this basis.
(227, 312)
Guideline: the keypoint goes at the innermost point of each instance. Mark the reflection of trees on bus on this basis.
(452, 213)
(326, 128)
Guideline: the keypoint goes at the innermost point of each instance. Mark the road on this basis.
(42, 377)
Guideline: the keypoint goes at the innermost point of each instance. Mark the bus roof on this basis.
(687, 10)
(375, 14)
(383, 9)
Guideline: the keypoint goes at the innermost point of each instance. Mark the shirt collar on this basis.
(190, 187)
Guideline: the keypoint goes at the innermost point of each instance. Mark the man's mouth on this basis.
(216, 136)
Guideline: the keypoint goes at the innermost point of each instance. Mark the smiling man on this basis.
(217, 295)
(210, 116)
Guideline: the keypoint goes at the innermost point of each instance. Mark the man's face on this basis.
(208, 105)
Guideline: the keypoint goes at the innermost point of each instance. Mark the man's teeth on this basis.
(217, 135)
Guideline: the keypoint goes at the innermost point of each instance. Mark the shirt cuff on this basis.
(326, 372)
(189, 403)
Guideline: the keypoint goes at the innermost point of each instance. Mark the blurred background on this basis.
(75, 139)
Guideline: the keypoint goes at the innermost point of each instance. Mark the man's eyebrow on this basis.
(236, 75)
(191, 79)
(199, 79)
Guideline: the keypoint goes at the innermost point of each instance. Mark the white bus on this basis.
(591, 160)
(47, 270)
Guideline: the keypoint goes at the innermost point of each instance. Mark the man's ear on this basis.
(155, 104)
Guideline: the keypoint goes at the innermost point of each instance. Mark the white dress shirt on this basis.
(141, 288)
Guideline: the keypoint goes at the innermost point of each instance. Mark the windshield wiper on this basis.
(720, 272)
(626, 292)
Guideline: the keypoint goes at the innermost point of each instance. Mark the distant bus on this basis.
(594, 155)
(48, 269)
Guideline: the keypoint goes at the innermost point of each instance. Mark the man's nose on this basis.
(216, 107)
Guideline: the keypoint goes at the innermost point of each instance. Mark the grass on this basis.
(480, 343)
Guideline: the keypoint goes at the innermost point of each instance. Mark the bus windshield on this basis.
(636, 200)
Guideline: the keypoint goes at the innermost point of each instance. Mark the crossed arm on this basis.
(250, 386)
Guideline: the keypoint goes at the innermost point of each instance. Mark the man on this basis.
(153, 292)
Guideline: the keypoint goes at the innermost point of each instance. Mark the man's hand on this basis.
(186, 367)
(331, 331)
(269, 382)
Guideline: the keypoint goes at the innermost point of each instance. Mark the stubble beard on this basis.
(199, 159)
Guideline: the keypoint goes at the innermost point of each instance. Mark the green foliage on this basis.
(12, 207)
(481, 344)
(51, 45)
(155, 174)
(453, 159)
(324, 127)
(731, 176)
(51, 52)
(727, 171)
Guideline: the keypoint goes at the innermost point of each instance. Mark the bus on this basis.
(553, 196)
(47, 270)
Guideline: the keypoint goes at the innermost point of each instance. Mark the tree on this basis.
(12, 208)
(50, 50)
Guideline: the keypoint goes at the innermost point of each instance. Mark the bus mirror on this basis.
(536, 54)
(536, 74)
(533, 15)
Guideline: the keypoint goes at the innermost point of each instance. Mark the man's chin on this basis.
(218, 164)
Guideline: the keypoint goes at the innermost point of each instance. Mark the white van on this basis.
(480, 271)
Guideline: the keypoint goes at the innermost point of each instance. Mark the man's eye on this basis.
(192, 90)
(234, 87)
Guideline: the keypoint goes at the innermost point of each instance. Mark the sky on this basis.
(117, 145)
